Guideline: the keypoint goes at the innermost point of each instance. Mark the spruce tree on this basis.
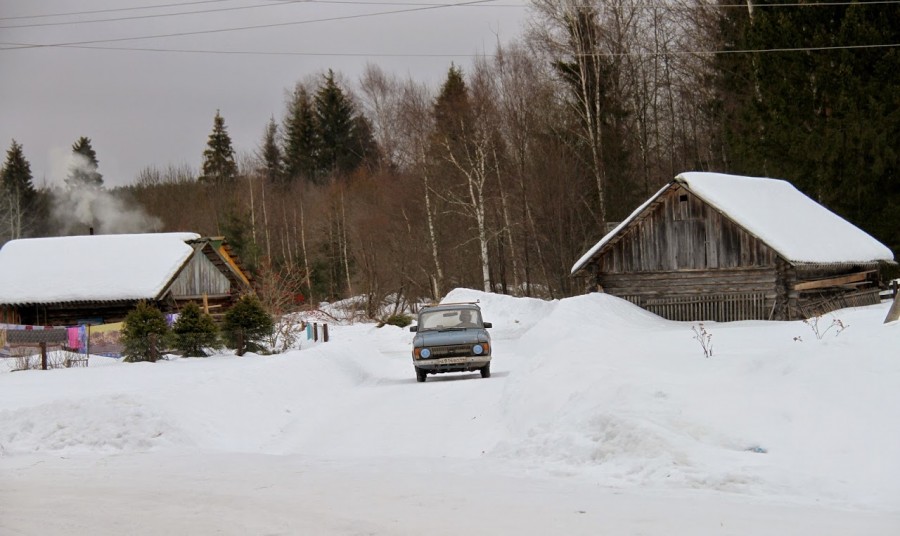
(335, 115)
(246, 324)
(144, 326)
(194, 331)
(301, 138)
(218, 158)
(452, 109)
(270, 156)
(17, 191)
(83, 170)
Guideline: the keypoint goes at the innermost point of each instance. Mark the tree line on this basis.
(504, 175)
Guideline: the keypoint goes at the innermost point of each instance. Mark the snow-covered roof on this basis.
(91, 268)
(799, 229)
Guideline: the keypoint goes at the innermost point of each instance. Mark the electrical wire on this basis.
(112, 10)
(469, 55)
(158, 15)
(250, 27)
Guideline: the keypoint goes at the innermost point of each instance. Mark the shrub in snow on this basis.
(704, 338)
(836, 323)
(143, 333)
(246, 325)
(400, 320)
(194, 332)
(287, 332)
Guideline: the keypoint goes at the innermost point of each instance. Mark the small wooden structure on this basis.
(100, 278)
(721, 247)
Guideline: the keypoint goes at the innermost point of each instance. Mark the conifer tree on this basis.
(345, 137)
(301, 138)
(83, 170)
(194, 331)
(270, 154)
(17, 191)
(246, 324)
(144, 332)
(218, 158)
(452, 109)
(335, 117)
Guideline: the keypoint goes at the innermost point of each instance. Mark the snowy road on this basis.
(616, 427)
(244, 494)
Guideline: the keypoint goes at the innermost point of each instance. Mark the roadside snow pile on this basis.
(588, 387)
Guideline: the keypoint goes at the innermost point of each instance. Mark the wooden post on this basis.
(43, 356)
(324, 332)
(205, 303)
(154, 351)
(240, 342)
(894, 312)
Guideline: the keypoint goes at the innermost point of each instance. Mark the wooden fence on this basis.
(712, 307)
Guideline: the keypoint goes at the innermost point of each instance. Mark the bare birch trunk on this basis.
(343, 239)
(305, 256)
(266, 224)
(437, 280)
(507, 225)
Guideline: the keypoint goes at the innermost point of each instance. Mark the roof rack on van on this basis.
(476, 302)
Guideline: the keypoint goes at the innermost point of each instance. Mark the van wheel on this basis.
(420, 375)
(486, 371)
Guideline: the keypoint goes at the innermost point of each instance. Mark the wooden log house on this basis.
(719, 247)
(100, 278)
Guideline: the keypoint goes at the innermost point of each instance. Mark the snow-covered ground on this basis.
(599, 418)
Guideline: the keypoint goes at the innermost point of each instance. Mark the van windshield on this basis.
(450, 319)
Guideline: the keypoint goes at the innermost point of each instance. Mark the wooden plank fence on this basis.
(713, 307)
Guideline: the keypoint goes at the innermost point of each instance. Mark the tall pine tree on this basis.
(83, 170)
(218, 158)
(301, 138)
(334, 116)
(18, 193)
(272, 162)
(452, 110)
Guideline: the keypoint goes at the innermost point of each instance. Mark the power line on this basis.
(253, 27)
(158, 15)
(442, 55)
(212, 10)
(387, 3)
(362, 3)
(112, 10)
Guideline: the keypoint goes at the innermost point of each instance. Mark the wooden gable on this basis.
(680, 231)
(200, 277)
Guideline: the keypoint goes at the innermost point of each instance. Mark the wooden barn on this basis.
(100, 278)
(710, 246)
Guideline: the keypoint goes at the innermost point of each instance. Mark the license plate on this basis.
(450, 361)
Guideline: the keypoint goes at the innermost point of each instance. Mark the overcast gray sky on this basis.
(143, 107)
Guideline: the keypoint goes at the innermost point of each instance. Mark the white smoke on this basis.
(80, 208)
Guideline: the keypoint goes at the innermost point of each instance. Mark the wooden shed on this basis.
(100, 278)
(710, 246)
